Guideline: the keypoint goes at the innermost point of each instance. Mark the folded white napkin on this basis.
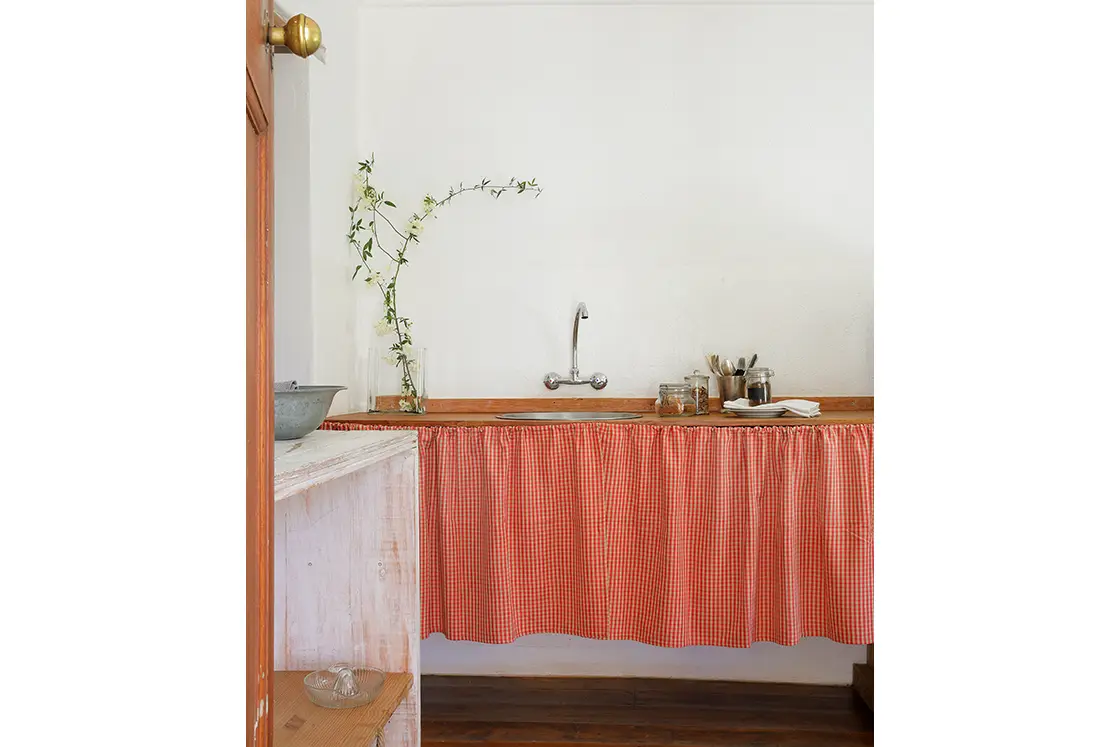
(800, 407)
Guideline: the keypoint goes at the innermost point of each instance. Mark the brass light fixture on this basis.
(300, 35)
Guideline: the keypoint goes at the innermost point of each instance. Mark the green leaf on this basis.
(355, 272)
(368, 244)
(389, 203)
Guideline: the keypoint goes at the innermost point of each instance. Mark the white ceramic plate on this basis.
(757, 413)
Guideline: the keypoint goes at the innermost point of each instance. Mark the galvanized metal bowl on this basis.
(301, 410)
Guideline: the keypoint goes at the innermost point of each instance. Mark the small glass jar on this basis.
(675, 400)
(758, 386)
(698, 385)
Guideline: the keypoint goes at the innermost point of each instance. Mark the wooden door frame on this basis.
(259, 375)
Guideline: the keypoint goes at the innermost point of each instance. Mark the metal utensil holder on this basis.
(731, 388)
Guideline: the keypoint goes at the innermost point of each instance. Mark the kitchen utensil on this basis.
(301, 410)
(713, 363)
(731, 388)
(726, 367)
(741, 368)
(343, 686)
(750, 365)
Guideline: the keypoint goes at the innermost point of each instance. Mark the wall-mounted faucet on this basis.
(597, 380)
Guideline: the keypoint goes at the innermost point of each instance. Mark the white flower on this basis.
(404, 404)
(383, 328)
(362, 191)
(415, 228)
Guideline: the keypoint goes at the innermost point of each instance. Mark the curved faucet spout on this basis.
(552, 380)
(581, 313)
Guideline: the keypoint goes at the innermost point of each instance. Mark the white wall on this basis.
(813, 660)
(333, 153)
(708, 185)
(315, 147)
(292, 298)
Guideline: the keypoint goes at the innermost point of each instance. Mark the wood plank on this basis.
(684, 688)
(509, 711)
(753, 738)
(673, 717)
(471, 683)
(434, 683)
(301, 723)
(542, 735)
(259, 354)
(593, 404)
(322, 456)
(558, 691)
(449, 733)
(347, 553)
(546, 697)
(863, 682)
(690, 739)
(715, 419)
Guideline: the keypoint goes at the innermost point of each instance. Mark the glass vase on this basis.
(414, 389)
(373, 368)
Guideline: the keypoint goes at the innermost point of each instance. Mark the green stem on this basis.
(389, 291)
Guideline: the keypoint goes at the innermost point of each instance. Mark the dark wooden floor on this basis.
(511, 711)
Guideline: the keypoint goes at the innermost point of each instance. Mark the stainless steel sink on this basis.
(570, 416)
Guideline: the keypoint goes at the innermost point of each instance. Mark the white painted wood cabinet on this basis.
(347, 558)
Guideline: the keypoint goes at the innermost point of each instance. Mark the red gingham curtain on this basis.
(672, 536)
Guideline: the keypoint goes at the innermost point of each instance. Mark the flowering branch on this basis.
(368, 203)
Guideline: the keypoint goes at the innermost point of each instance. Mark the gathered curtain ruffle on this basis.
(671, 536)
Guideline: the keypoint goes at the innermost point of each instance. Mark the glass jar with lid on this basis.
(758, 385)
(675, 400)
(698, 385)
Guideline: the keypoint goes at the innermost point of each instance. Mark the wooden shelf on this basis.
(300, 723)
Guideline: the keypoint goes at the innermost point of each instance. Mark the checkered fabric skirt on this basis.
(668, 535)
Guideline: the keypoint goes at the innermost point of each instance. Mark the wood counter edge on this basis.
(719, 420)
(484, 406)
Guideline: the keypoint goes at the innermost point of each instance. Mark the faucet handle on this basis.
(552, 381)
(598, 381)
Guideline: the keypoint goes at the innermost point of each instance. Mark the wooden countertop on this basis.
(840, 417)
(474, 412)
